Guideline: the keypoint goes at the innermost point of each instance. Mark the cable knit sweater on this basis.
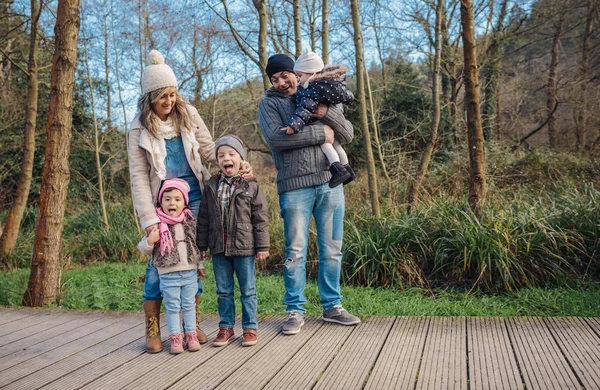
(299, 160)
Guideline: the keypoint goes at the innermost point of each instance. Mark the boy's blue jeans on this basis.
(327, 206)
(179, 290)
(151, 283)
(243, 266)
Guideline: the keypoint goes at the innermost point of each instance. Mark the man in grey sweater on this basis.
(302, 183)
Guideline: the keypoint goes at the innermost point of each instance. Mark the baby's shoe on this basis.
(351, 172)
(339, 174)
(176, 343)
(249, 337)
(191, 339)
(224, 336)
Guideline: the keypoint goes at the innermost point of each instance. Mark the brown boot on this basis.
(152, 311)
(201, 335)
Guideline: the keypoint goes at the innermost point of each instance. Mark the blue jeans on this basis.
(327, 206)
(179, 290)
(224, 268)
(151, 283)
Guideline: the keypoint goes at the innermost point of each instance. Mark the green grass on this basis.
(120, 286)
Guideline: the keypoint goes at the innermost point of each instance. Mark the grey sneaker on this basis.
(339, 315)
(293, 323)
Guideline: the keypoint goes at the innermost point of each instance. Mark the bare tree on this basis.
(8, 240)
(491, 77)
(477, 179)
(325, 31)
(552, 85)
(582, 113)
(297, 33)
(97, 144)
(364, 120)
(413, 192)
(45, 264)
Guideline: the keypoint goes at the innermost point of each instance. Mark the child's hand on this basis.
(149, 229)
(201, 273)
(246, 169)
(154, 236)
(288, 130)
(321, 110)
(262, 255)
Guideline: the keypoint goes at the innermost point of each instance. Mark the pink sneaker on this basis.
(176, 343)
(191, 338)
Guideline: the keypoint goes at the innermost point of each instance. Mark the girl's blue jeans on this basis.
(224, 268)
(179, 290)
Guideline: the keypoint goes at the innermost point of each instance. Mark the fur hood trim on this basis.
(331, 72)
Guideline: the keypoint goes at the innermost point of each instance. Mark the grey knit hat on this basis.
(233, 142)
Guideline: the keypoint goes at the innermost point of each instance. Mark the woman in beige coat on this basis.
(166, 140)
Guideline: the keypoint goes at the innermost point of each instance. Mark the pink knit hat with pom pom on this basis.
(178, 184)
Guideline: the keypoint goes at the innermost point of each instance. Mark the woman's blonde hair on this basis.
(180, 117)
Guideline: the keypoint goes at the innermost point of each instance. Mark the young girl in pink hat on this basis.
(176, 257)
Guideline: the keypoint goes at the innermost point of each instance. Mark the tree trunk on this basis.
(107, 70)
(297, 33)
(582, 108)
(553, 82)
(325, 32)
(364, 121)
(413, 192)
(491, 76)
(261, 7)
(45, 264)
(122, 101)
(8, 240)
(97, 145)
(376, 132)
(477, 179)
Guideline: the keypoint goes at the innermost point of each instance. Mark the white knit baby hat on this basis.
(157, 74)
(309, 62)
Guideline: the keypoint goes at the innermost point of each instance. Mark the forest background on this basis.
(491, 193)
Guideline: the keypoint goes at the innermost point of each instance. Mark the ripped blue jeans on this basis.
(327, 206)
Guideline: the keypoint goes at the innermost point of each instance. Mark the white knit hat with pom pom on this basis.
(157, 74)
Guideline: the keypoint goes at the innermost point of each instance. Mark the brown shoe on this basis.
(152, 312)
(224, 337)
(249, 337)
(202, 339)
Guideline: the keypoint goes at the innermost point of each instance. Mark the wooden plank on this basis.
(75, 330)
(31, 321)
(103, 365)
(113, 325)
(82, 358)
(444, 362)
(542, 364)
(275, 355)
(580, 346)
(8, 315)
(225, 361)
(492, 364)
(398, 363)
(594, 324)
(141, 365)
(350, 368)
(304, 369)
(51, 322)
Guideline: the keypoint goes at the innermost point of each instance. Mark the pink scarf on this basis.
(166, 241)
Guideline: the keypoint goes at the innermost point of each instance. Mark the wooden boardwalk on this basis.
(56, 349)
